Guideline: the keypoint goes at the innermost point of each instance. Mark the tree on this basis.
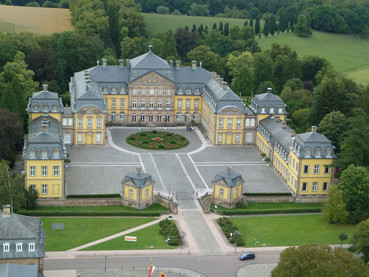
(272, 24)
(296, 99)
(266, 27)
(218, 43)
(198, 10)
(342, 236)
(257, 26)
(42, 63)
(11, 189)
(319, 261)
(162, 10)
(131, 47)
(263, 68)
(302, 27)
(311, 65)
(169, 45)
(210, 60)
(220, 29)
(186, 41)
(31, 196)
(361, 240)
(11, 135)
(335, 207)
(334, 126)
(354, 183)
(244, 82)
(355, 145)
(226, 29)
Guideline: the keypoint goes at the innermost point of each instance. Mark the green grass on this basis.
(157, 140)
(145, 238)
(163, 22)
(290, 230)
(347, 53)
(79, 231)
(94, 211)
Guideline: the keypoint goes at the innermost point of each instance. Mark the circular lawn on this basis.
(157, 140)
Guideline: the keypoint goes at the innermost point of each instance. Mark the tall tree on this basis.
(263, 68)
(169, 45)
(361, 240)
(226, 29)
(131, 47)
(272, 24)
(334, 126)
(266, 29)
(186, 41)
(210, 60)
(335, 207)
(302, 27)
(257, 26)
(42, 62)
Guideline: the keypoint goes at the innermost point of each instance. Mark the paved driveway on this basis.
(99, 170)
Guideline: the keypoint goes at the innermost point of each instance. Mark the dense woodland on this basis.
(314, 92)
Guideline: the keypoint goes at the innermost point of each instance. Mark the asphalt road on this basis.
(206, 265)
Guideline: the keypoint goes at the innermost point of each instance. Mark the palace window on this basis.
(326, 170)
(316, 169)
(237, 191)
(44, 170)
(56, 153)
(146, 192)
(238, 138)
(151, 104)
(229, 123)
(325, 186)
(142, 118)
(98, 138)
(113, 103)
(169, 91)
(80, 122)
(167, 118)
(35, 107)
(130, 193)
(43, 153)
(6, 247)
(315, 186)
(122, 117)
(143, 104)
(89, 122)
(32, 171)
(151, 118)
(280, 110)
(56, 170)
(122, 103)
(167, 105)
(143, 91)
(221, 192)
(80, 138)
(220, 123)
(134, 91)
(31, 247)
(18, 247)
(134, 118)
(196, 104)
(179, 90)
(306, 169)
(160, 92)
(122, 89)
(158, 118)
(32, 154)
(98, 122)
(179, 104)
(238, 123)
(45, 107)
(178, 117)
(188, 104)
(43, 189)
(187, 117)
(152, 91)
(188, 91)
(304, 186)
(220, 138)
(134, 104)
(113, 116)
(271, 110)
(160, 103)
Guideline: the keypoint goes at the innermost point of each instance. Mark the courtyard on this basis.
(100, 170)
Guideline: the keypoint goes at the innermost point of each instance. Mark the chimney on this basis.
(45, 87)
(121, 61)
(171, 63)
(213, 75)
(292, 133)
(44, 127)
(104, 62)
(225, 85)
(194, 64)
(7, 210)
(314, 129)
(139, 169)
(178, 64)
(269, 90)
(229, 168)
(276, 118)
(284, 124)
(220, 81)
(128, 64)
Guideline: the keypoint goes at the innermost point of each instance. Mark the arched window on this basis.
(307, 152)
(44, 153)
(179, 90)
(113, 116)
(32, 153)
(55, 107)
(328, 153)
(45, 107)
(35, 107)
(56, 153)
(263, 109)
(318, 153)
(122, 117)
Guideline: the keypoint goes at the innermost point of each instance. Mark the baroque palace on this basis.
(149, 91)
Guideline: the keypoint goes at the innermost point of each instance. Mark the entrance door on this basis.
(229, 139)
(89, 139)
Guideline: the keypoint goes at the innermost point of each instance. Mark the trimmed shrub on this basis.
(229, 228)
(72, 196)
(168, 230)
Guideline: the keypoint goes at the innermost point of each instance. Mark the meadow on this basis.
(289, 230)
(15, 19)
(347, 53)
(79, 231)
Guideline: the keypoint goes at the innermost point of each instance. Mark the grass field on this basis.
(165, 22)
(15, 19)
(290, 230)
(348, 54)
(79, 231)
(146, 239)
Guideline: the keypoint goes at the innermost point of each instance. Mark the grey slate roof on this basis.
(19, 270)
(138, 178)
(313, 141)
(21, 229)
(229, 177)
(49, 140)
(267, 100)
(279, 135)
(41, 98)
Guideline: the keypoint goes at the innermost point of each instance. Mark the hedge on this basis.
(117, 195)
(268, 194)
(229, 228)
(273, 211)
(56, 213)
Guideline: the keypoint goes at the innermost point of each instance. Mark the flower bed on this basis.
(157, 140)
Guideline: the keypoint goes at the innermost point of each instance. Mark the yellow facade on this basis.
(46, 176)
(116, 104)
(263, 145)
(263, 116)
(89, 129)
(33, 116)
(146, 193)
(131, 193)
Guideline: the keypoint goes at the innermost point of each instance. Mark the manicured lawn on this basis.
(78, 231)
(290, 230)
(145, 238)
(94, 211)
(347, 53)
(157, 140)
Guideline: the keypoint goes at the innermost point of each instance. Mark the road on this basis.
(206, 265)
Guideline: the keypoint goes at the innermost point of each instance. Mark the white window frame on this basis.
(146, 192)
(306, 186)
(134, 104)
(151, 104)
(238, 123)
(6, 247)
(169, 92)
(306, 169)
(79, 137)
(143, 104)
(179, 104)
(98, 122)
(142, 118)
(315, 186)
(18, 247)
(188, 104)
(151, 118)
(220, 137)
(31, 247)
(143, 91)
(122, 102)
(196, 104)
(122, 117)
(89, 122)
(43, 154)
(326, 170)
(316, 169)
(32, 170)
(229, 123)
(325, 186)
(237, 191)
(160, 104)
(44, 170)
(98, 138)
(220, 123)
(56, 170)
(238, 138)
(113, 103)
(221, 192)
(134, 118)
(152, 91)
(158, 118)
(167, 104)
(80, 122)
(130, 193)
(44, 189)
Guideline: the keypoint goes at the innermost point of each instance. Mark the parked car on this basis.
(247, 256)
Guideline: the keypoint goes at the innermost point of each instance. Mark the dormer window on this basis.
(44, 154)
(18, 247)
(6, 247)
(105, 89)
(328, 153)
(56, 153)
(55, 107)
(197, 91)
(122, 90)
(271, 110)
(179, 90)
(32, 154)
(188, 91)
(307, 153)
(114, 90)
(318, 153)
(31, 247)
(35, 107)
(280, 109)
(45, 107)
(262, 109)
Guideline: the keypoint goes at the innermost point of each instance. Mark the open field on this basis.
(147, 238)
(79, 231)
(290, 230)
(164, 22)
(15, 19)
(347, 53)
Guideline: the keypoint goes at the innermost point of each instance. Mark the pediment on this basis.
(152, 78)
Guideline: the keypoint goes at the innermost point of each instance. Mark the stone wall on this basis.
(80, 202)
(268, 198)
(163, 200)
(205, 202)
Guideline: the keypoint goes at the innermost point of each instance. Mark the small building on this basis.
(22, 242)
(138, 189)
(227, 188)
